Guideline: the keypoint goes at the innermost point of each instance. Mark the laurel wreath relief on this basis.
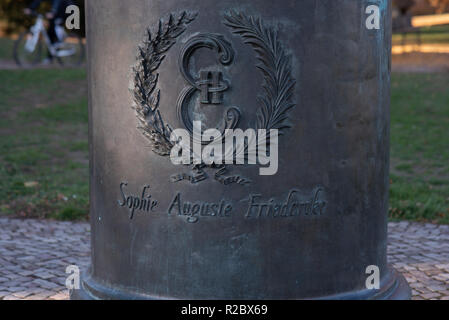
(146, 95)
(273, 62)
(275, 65)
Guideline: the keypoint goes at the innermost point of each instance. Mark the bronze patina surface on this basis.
(310, 69)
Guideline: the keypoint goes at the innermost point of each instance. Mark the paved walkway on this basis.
(34, 256)
(421, 253)
(417, 62)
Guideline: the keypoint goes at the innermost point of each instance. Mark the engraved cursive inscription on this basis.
(294, 206)
(296, 203)
(144, 203)
(193, 211)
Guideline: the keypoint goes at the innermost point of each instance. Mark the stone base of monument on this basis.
(393, 287)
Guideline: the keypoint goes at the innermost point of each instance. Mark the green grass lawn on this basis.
(435, 34)
(43, 143)
(6, 49)
(44, 149)
(420, 147)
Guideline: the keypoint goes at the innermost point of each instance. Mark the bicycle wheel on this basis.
(71, 52)
(23, 56)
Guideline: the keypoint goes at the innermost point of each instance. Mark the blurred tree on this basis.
(404, 6)
(421, 6)
(440, 5)
(15, 21)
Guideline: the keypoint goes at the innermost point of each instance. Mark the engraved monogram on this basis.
(210, 83)
(208, 86)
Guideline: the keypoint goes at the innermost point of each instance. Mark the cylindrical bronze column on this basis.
(312, 70)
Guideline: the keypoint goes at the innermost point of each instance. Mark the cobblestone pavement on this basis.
(34, 255)
(421, 253)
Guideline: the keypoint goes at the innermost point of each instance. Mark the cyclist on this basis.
(55, 17)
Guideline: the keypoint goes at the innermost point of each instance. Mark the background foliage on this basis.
(418, 7)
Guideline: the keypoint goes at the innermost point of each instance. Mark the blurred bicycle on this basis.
(31, 45)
